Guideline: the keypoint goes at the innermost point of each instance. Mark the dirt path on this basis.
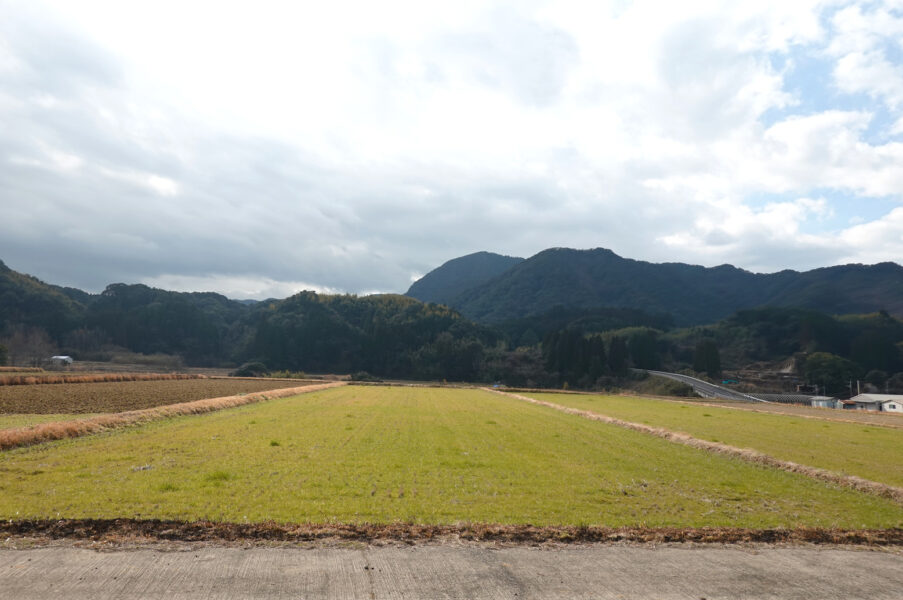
(676, 572)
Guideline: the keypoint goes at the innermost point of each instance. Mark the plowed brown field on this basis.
(121, 396)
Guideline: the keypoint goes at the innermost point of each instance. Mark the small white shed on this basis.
(61, 361)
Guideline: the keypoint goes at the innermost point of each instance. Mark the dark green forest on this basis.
(393, 336)
(691, 294)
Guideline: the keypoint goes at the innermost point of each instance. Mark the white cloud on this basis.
(877, 241)
(351, 144)
(859, 45)
(736, 231)
(237, 287)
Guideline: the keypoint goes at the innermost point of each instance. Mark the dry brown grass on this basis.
(21, 370)
(94, 378)
(747, 454)
(46, 432)
(113, 531)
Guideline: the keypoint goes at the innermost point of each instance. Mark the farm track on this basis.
(45, 432)
(477, 572)
(112, 397)
(749, 455)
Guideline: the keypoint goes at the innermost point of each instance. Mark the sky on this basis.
(260, 148)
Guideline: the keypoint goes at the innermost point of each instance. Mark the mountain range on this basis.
(491, 288)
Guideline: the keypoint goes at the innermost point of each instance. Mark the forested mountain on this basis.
(528, 331)
(28, 301)
(389, 335)
(692, 294)
(203, 328)
(386, 335)
(400, 337)
(445, 283)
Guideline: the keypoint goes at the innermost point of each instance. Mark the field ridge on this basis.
(41, 379)
(754, 456)
(45, 432)
(152, 530)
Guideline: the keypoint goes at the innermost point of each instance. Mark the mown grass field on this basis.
(874, 453)
(423, 455)
(866, 417)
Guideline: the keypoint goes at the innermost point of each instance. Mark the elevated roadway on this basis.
(708, 390)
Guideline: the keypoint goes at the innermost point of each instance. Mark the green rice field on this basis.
(422, 455)
(871, 452)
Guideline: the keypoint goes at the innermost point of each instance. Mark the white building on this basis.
(884, 402)
(61, 361)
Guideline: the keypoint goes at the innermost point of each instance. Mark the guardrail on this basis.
(699, 386)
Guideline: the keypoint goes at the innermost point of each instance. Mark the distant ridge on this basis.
(692, 294)
(458, 275)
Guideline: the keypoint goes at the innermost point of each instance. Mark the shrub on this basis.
(364, 376)
(251, 369)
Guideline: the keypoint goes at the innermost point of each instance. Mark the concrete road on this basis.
(454, 571)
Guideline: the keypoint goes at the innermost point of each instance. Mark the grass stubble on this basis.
(357, 457)
(850, 450)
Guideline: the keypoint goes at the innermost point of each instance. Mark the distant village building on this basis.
(882, 402)
(825, 402)
(61, 361)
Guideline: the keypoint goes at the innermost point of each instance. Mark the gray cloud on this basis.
(103, 183)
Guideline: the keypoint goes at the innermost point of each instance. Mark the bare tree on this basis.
(28, 346)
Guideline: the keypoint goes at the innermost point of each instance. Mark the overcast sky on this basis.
(260, 148)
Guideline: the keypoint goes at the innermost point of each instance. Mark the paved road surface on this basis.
(706, 389)
(453, 571)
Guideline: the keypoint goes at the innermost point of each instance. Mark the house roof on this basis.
(877, 398)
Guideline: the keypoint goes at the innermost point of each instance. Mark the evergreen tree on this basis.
(643, 348)
(707, 359)
(617, 355)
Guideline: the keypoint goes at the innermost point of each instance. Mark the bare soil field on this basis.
(80, 398)
(84, 366)
(127, 531)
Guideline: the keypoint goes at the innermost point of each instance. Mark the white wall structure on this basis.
(883, 402)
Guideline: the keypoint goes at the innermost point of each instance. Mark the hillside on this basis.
(386, 335)
(692, 294)
(28, 301)
(445, 283)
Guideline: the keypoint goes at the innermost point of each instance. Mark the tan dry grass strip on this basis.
(851, 481)
(41, 379)
(46, 432)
